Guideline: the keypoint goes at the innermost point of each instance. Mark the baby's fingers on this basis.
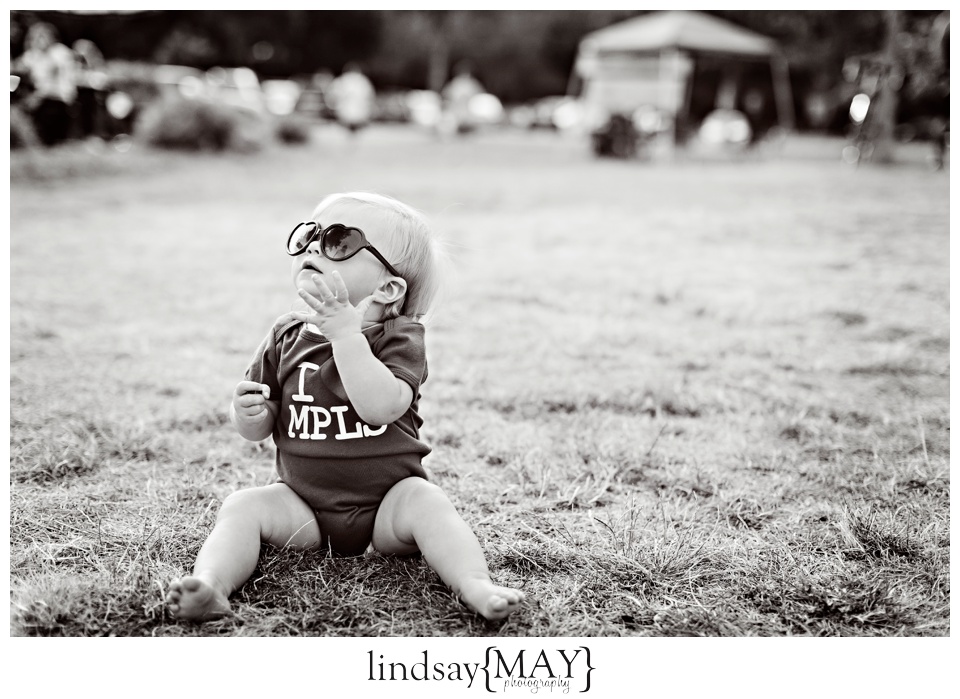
(324, 290)
(302, 316)
(312, 301)
(339, 288)
(251, 400)
(364, 305)
(248, 386)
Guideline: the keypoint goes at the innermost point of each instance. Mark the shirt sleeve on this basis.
(263, 366)
(403, 352)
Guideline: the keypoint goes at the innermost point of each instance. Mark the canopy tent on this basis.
(650, 60)
(678, 29)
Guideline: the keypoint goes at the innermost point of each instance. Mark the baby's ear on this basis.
(393, 289)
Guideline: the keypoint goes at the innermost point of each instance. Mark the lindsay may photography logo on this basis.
(551, 670)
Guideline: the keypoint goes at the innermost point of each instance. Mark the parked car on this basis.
(391, 106)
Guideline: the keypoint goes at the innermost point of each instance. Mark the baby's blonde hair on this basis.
(412, 247)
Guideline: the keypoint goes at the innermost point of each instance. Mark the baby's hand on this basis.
(250, 399)
(332, 311)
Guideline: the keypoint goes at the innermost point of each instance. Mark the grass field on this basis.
(691, 398)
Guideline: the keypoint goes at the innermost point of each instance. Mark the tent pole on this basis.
(688, 93)
(669, 70)
(781, 90)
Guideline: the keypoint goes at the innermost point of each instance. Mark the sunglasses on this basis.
(337, 242)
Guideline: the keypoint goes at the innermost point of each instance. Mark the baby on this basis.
(337, 386)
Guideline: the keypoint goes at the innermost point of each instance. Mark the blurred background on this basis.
(629, 83)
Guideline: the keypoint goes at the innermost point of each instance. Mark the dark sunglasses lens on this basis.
(300, 238)
(339, 242)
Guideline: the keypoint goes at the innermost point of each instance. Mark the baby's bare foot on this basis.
(489, 600)
(195, 599)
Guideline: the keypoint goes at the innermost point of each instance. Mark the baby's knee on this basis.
(241, 502)
(423, 493)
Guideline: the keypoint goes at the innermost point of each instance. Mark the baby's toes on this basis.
(511, 596)
(174, 593)
(498, 603)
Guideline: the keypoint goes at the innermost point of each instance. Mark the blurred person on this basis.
(337, 385)
(320, 83)
(352, 95)
(940, 126)
(91, 85)
(51, 70)
(457, 94)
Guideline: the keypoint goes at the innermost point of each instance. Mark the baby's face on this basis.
(361, 273)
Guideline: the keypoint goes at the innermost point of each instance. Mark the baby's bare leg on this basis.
(272, 514)
(417, 515)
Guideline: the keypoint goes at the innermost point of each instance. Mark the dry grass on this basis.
(684, 399)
